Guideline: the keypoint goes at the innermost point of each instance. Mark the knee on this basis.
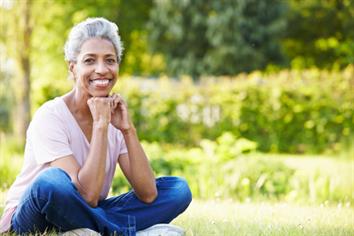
(179, 190)
(52, 182)
(184, 194)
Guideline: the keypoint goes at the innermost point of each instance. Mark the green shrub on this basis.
(291, 111)
(229, 168)
(257, 178)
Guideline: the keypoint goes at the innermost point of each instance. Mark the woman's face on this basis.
(96, 68)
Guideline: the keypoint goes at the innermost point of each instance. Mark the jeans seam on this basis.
(30, 198)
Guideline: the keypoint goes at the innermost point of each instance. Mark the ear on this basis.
(71, 66)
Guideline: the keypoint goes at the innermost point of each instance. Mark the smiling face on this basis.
(96, 68)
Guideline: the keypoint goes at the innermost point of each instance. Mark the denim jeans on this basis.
(52, 202)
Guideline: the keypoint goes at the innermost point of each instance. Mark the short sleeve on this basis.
(48, 138)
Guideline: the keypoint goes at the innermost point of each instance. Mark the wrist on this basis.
(100, 124)
(129, 131)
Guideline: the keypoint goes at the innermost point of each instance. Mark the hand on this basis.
(120, 117)
(100, 108)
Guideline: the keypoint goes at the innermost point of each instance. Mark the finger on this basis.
(122, 101)
(114, 100)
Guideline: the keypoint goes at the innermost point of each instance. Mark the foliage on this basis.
(290, 111)
(199, 37)
(217, 38)
(241, 174)
(15, 42)
(330, 43)
(6, 101)
(213, 173)
(10, 162)
(257, 178)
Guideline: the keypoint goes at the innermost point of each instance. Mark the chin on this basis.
(99, 94)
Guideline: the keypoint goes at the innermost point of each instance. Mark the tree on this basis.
(34, 39)
(217, 37)
(6, 101)
(16, 33)
(321, 33)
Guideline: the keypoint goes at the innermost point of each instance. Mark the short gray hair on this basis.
(92, 28)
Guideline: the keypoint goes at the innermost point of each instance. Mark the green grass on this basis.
(219, 218)
(314, 217)
(230, 218)
(329, 179)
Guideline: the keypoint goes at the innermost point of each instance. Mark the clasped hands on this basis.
(111, 109)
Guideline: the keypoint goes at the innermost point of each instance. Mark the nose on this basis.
(101, 68)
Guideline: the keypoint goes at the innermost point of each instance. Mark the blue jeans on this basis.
(52, 202)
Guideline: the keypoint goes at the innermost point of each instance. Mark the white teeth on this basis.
(100, 82)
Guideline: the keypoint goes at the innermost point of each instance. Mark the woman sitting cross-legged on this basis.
(73, 145)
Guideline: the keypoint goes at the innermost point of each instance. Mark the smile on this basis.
(100, 82)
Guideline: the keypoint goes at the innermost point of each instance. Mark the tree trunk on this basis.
(25, 65)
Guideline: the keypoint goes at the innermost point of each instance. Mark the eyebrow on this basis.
(94, 55)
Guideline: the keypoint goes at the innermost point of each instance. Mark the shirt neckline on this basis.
(66, 108)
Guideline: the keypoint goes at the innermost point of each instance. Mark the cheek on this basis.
(114, 71)
(114, 68)
(84, 72)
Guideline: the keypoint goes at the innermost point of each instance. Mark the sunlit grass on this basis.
(230, 218)
(219, 218)
(330, 179)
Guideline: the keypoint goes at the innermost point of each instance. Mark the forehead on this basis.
(97, 46)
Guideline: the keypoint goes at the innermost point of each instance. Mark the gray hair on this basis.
(92, 28)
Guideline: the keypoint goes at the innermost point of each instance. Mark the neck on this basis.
(77, 103)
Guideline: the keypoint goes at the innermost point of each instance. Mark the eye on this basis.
(89, 61)
(111, 61)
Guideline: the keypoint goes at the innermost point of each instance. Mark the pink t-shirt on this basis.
(54, 133)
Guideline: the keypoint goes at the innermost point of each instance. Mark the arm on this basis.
(89, 179)
(136, 168)
(135, 164)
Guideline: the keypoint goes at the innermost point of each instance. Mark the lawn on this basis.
(229, 218)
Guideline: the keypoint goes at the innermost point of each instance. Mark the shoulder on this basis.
(50, 111)
(51, 107)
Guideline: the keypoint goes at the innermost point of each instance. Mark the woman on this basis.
(73, 145)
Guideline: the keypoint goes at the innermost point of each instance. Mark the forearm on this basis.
(91, 176)
(141, 174)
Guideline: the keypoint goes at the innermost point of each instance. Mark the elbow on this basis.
(92, 203)
(150, 196)
(91, 200)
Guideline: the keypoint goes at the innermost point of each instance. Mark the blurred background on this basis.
(251, 101)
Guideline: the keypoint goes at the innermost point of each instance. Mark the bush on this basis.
(292, 111)
(257, 178)
(241, 174)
